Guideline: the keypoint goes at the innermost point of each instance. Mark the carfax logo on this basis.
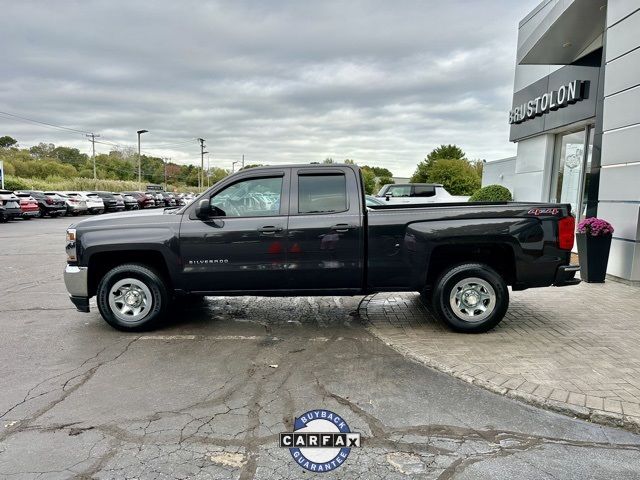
(320, 441)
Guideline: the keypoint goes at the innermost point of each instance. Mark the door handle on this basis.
(341, 227)
(269, 229)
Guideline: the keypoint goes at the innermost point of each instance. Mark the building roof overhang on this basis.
(561, 31)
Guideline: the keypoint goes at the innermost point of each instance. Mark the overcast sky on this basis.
(380, 82)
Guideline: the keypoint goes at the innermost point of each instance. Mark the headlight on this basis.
(71, 245)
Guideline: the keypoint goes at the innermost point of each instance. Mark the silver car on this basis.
(75, 205)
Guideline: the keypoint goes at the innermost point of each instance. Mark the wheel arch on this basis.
(101, 262)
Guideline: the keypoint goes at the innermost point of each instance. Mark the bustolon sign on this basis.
(567, 94)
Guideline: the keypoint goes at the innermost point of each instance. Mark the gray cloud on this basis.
(377, 81)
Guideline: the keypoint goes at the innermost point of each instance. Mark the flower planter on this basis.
(594, 256)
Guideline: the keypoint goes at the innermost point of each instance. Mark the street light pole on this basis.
(233, 167)
(140, 132)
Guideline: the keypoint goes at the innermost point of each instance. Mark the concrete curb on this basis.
(601, 417)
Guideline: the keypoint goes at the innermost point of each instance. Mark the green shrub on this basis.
(15, 183)
(492, 193)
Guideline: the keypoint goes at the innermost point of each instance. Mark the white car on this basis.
(93, 201)
(415, 193)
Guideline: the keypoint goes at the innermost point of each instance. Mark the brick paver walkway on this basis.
(573, 349)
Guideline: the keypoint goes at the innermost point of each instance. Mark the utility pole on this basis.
(93, 137)
(165, 174)
(243, 160)
(140, 132)
(202, 152)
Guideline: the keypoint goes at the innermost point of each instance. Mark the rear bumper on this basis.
(31, 213)
(566, 276)
(76, 281)
(13, 212)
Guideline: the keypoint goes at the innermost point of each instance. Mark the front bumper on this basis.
(566, 275)
(76, 281)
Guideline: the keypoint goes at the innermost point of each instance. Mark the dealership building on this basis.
(576, 117)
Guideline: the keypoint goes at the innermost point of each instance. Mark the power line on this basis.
(46, 124)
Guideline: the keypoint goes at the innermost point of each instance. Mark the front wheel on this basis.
(132, 297)
(470, 298)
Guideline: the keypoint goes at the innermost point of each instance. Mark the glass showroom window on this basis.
(572, 158)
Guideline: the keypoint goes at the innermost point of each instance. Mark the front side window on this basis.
(255, 197)
(399, 191)
(322, 193)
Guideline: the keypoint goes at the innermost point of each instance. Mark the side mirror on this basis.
(203, 209)
(387, 196)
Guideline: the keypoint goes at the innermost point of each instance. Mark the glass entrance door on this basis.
(572, 158)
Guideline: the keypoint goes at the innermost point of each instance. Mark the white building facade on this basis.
(576, 116)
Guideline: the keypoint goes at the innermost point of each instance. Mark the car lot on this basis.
(207, 395)
(28, 204)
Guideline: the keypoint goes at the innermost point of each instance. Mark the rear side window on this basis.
(322, 193)
(422, 191)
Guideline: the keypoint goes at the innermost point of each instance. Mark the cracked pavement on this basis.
(207, 395)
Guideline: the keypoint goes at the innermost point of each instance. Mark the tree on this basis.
(369, 180)
(446, 151)
(382, 181)
(42, 150)
(252, 165)
(72, 156)
(379, 171)
(442, 152)
(457, 176)
(328, 161)
(478, 165)
(7, 142)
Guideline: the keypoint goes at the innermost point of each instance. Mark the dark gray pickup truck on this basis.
(304, 230)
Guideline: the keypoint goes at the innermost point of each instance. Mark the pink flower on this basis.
(595, 227)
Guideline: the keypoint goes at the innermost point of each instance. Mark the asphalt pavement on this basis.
(207, 395)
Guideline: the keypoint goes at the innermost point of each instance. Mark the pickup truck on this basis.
(305, 230)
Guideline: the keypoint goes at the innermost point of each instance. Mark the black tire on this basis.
(155, 285)
(462, 321)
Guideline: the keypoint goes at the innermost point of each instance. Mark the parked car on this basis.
(158, 199)
(28, 206)
(144, 201)
(75, 205)
(315, 237)
(50, 205)
(120, 199)
(179, 200)
(11, 204)
(111, 203)
(400, 193)
(168, 199)
(93, 201)
(130, 202)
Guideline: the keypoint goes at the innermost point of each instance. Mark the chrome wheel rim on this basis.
(472, 299)
(130, 300)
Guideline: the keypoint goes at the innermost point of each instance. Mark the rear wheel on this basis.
(132, 297)
(470, 298)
